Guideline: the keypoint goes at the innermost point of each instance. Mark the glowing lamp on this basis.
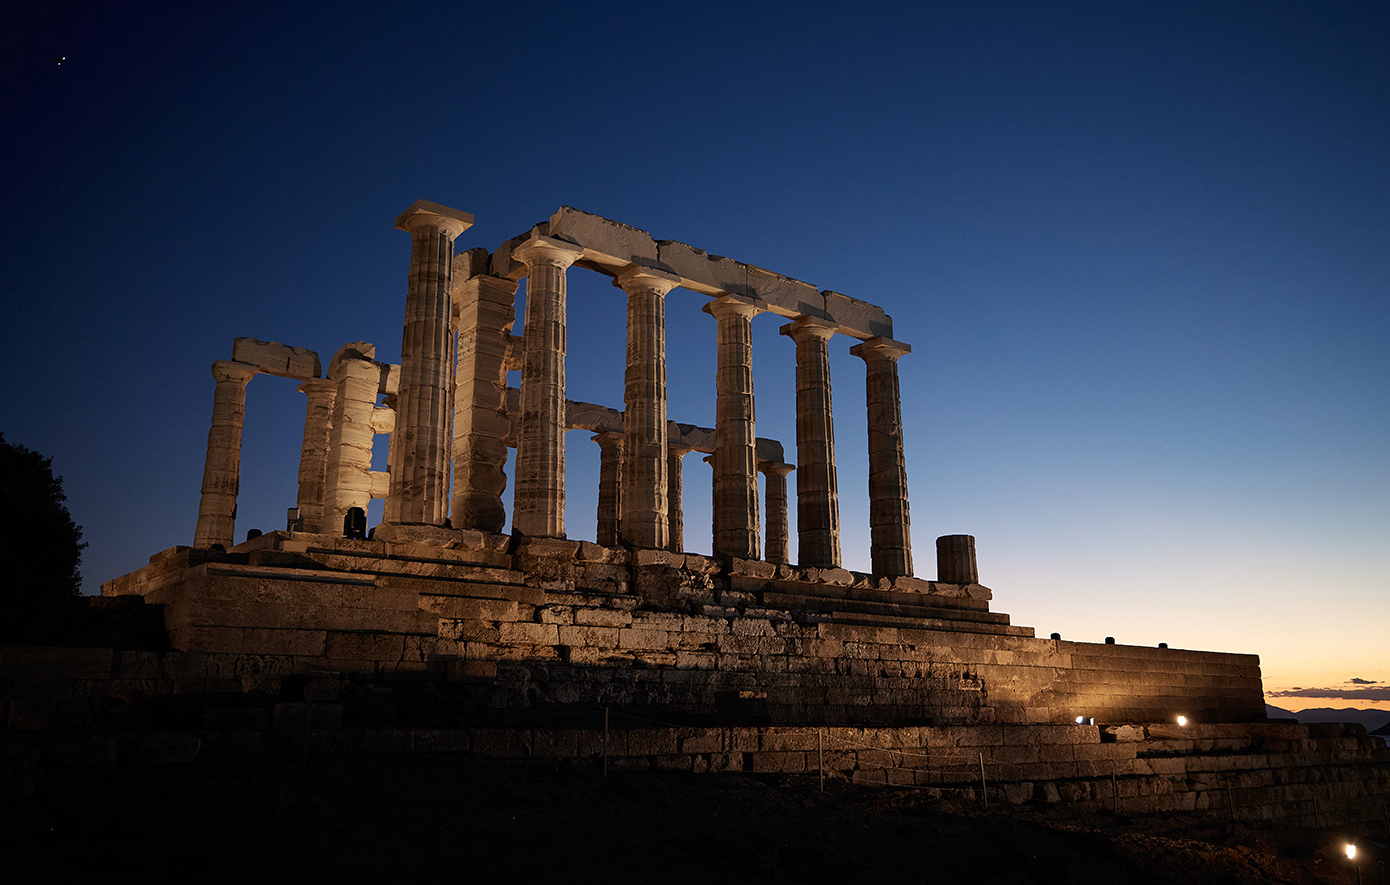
(1351, 851)
(1182, 721)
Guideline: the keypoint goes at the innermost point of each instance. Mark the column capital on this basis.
(635, 277)
(775, 468)
(733, 306)
(606, 438)
(229, 370)
(880, 348)
(680, 450)
(805, 328)
(423, 213)
(547, 250)
(317, 386)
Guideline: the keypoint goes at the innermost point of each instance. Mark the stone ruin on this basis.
(524, 633)
(436, 589)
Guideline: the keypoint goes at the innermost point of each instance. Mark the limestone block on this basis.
(371, 646)
(753, 568)
(1124, 733)
(701, 271)
(601, 617)
(784, 295)
(534, 634)
(857, 318)
(636, 638)
(645, 558)
(274, 358)
(470, 263)
(605, 241)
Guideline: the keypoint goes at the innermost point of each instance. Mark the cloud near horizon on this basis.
(1350, 694)
(1358, 681)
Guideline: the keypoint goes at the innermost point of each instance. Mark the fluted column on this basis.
(419, 465)
(313, 452)
(675, 505)
(540, 447)
(348, 479)
(644, 516)
(487, 309)
(890, 542)
(735, 462)
(817, 492)
(610, 446)
(778, 533)
(222, 469)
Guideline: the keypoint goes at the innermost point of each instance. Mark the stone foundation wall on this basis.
(548, 625)
(104, 706)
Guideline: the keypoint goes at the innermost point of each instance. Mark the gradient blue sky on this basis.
(1141, 252)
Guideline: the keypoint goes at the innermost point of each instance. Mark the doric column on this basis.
(817, 493)
(222, 469)
(610, 447)
(890, 542)
(540, 447)
(419, 465)
(644, 516)
(675, 506)
(777, 531)
(313, 452)
(735, 464)
(487, 309)
(348, 478)
(955, 560)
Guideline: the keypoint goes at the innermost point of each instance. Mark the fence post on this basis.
(1114, 791)
(820, 757)
(984, 790)
(605, 742)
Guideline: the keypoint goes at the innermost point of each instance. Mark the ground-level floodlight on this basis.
(1351, 856)
(1182, 721)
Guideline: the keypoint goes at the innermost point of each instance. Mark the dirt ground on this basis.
(466, 819)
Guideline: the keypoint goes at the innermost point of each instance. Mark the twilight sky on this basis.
(1141, 252)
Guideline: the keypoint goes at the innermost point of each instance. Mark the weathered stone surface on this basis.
(540, 458)
(274, 358)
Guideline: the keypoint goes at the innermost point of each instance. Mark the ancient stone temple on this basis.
(436, 631)
(548, 622)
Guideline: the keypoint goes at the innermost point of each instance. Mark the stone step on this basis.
(858, 594)
(415, 567)
(946, 626)
(892, 609)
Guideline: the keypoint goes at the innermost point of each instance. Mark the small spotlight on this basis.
(1080, 720)
(1351, 851)
(1182, 721)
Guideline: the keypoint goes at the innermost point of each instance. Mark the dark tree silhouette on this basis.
(40, 546)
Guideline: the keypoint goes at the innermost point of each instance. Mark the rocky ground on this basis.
(455, 818)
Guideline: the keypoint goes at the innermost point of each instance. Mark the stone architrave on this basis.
(890, 541)
(735, 460)
(610, 446)
(778, 534)
(419, 462)
(313, 452)
(539, 509)
(487, 309)
(348, 479)
(675, 505)
(644, 521)
(222, 469)
(817, 492)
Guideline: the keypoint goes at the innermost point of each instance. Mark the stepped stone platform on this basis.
(544, 625)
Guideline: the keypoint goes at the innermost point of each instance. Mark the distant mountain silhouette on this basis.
(1376, 721)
